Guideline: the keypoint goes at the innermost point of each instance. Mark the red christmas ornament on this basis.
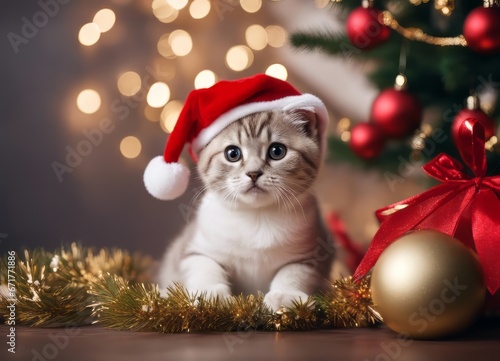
(482, 30)
(364, 29)
(367, 140)
(396, 111)
(472, 111)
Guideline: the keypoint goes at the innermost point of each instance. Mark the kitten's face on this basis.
(264, 159)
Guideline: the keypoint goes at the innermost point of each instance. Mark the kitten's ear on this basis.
(305, 118)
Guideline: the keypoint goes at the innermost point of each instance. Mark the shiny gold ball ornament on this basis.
(428, 285)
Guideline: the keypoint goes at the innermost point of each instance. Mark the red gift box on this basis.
(464, 206)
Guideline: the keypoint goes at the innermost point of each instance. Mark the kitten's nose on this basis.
(254, 175)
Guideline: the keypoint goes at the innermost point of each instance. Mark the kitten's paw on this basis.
(277, 299)
(220, 290)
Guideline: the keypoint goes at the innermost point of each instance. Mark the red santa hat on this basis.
(207, 112)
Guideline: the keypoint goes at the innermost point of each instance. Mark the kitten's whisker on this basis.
(197, 195)
(285, 192)
(300, 205)
(280, 200)
(291, 193)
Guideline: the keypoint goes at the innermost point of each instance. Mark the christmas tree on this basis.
(448, 52)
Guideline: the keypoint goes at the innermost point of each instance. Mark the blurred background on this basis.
(91, 89)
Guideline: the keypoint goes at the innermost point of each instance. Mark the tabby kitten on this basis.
(258, 227)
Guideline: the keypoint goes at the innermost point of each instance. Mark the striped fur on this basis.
(284, 179)
(263, 234)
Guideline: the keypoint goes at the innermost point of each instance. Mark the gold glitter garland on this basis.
(76, 285)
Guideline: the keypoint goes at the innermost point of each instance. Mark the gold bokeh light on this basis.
(152, 114)
(256, 37)
(205, 79)
(164, 47)
(88, 101)
(130, 147)
(158, 95)
(251, 6)
(163, 11)
(276, 36)
(321, 4)
(180, 41)
(199, 9)
(277, 71)
(170, 115)
(239, 57)
(129, 83)
(89, 34)
(104, 19)
(177, 4)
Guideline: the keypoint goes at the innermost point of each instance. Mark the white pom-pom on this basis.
(165, 181)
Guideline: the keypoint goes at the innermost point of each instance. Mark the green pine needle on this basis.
(326, 42)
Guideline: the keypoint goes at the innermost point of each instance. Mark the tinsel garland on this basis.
(77, 286)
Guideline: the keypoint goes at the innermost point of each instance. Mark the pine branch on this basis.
(326, 42)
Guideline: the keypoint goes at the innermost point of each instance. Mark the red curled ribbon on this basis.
(463, 206)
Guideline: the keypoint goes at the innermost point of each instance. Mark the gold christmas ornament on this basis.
(427, 285)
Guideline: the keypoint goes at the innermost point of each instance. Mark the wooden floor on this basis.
(375, 344)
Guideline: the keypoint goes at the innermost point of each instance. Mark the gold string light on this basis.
(446, 7)
(417, 34)
(178, 43)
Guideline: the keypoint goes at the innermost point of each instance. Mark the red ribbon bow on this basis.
(463, 206)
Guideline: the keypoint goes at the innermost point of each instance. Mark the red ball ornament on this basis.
(472, 111)
(482, 30)
(367, 141)
(364, 28)
(398, 113)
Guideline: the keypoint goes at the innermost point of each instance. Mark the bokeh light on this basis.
(277, 71)
(88, 101)
(199, 9)
(205, 79)
(158, 95)
(129, 83)
(276, 36)
(239, 58)
(251, 6)
(104, 19)
(164, 47)
(163, 11)
(321, 4)
(177, 4)
(169, 115)
(256, 37)
(130, 147)
(152, 114)
(164, 69)
(180, 42)
(89, 34)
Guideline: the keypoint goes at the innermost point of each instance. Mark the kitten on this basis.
(258, 227)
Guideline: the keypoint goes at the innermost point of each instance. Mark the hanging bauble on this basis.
(367, 140)
(482, 29)
(396, 111)
(473, 111)
(428, 285)
(364, 29)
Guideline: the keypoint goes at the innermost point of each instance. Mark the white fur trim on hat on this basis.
(286, 103)
(165, 181)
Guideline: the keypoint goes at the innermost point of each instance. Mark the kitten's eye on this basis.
(277, 151)
(232, 153)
